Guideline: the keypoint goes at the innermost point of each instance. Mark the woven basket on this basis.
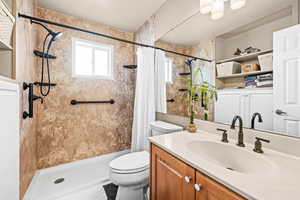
(6, 26)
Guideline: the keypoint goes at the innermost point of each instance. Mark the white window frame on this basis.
(95, 46)
(167, 60)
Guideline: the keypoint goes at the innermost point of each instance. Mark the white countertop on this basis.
(282, 182)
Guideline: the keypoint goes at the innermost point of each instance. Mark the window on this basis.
(169, 70)
(92, 60)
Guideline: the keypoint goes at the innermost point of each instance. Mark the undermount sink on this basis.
(231, 157)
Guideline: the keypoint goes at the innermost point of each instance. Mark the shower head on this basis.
(55, 35)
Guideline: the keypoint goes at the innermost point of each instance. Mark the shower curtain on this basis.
(144, 105)
(160, 82)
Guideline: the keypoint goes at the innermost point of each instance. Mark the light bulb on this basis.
(217, 11)
(237, 4)
(206, 6)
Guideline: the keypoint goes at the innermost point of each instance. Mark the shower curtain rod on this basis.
(108, 36)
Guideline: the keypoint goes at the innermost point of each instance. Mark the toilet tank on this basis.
(160, 128)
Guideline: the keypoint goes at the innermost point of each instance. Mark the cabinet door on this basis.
(211, 190)
(263, 104)
(9, 141)
(245, 109)
(227, 106)
(171, 179)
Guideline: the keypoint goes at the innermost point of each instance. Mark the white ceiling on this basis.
(201, 27)
(126, 15)
(174, 12)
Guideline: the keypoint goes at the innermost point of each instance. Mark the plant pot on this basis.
(192, 128)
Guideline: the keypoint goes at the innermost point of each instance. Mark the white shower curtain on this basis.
(144, 105)
(160, 82)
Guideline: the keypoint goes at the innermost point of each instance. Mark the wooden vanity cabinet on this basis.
(172, 179)
(212, 190)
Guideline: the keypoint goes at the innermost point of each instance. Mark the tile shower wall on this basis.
(205, 49)
(179, 107)
(25, 69)
(67, 133)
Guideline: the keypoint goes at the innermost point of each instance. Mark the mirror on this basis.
(240, 46)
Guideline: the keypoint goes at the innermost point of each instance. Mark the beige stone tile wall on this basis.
(205, 49)
(25, 64)
(67, 133)
(179, 107)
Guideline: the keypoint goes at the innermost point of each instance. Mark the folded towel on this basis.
(269, 75)
(265, 86)
(250, 78)
(265, 79)
(249, 83)
(262, 83)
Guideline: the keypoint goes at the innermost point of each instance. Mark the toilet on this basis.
(131, 171)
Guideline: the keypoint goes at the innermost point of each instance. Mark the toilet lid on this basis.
(164, 127)
(131, 162)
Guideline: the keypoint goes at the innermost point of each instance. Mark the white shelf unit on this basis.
(5, 12)
(257, 34)
(7, 22)
(246, 57)
(244, 74)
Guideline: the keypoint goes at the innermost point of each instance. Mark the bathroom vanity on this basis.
(199, 166)
(182, 181)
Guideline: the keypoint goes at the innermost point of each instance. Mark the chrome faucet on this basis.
(260, 120)
(241, 134)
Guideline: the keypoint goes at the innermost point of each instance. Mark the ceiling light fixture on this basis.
(237, 4)
(217, 11)
(217, 7)
(206, 6)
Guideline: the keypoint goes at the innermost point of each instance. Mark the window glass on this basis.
(92, 60)
(169, 70)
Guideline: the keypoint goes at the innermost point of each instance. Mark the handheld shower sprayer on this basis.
(54, 37)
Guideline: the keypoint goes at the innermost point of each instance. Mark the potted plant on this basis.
(198, 95)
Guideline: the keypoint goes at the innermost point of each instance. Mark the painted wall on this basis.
(260, 37)
(67, 133)
(26, 71)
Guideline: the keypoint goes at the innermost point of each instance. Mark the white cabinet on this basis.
(263, 104)
(9, 141)
(245, 103)
(227, 106)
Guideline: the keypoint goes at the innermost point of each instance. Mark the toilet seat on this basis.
(131, 163)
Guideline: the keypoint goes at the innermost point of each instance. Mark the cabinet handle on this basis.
(197, 187)
(187, 179)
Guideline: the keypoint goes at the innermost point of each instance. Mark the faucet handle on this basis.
(258, 144)
(224, 136)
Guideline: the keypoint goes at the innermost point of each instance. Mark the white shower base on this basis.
(83, 180)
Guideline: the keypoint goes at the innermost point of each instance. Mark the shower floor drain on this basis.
(59, 180)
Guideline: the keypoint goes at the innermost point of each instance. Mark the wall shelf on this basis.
(246, 57)
(244, 74)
